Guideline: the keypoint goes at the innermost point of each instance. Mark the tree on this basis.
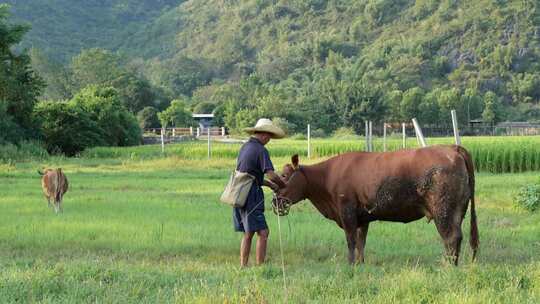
(95, 67)
(104, 106)
(491, 113)
(103, 68)
(176, 115)
(68, 128)
(148, 118)
(410, 103)
(19, 85)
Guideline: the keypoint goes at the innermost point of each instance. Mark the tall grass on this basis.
(491, 154)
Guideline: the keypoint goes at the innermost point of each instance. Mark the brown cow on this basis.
(54, 184)
(354, 189)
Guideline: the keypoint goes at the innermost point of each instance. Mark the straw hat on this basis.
(266, 125)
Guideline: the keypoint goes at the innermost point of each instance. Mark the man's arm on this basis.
(274, 181)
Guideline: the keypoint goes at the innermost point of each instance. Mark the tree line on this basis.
(373, 60)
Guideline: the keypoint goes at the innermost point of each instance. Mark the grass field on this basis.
(151, 231)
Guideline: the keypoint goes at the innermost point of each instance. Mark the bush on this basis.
(285, 125)
(67, 128)
(318, 133)
(528, 197)
(344, 133)
(24, 150)
(104, 106)
(147, 118)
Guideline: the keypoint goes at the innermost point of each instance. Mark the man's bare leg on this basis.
(262, 240)
(245, 248)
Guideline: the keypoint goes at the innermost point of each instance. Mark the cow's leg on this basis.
(349, 221)
(49, 202)
(56, 206)
(361, 235)
(448, 224)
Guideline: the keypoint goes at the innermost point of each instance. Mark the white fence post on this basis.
(384, 137)
(162, 140)
(209, 148)
(223, 131)
(173, 132)
(404, 135)
(198, 132)
(309, 141)
(455, 125)
(190, 131)
(367, 136)
(370, 136)
(419, 134)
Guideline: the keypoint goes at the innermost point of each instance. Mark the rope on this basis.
(282, 260)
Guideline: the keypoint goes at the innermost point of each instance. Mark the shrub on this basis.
(528, 197)
(24, 150)
(103, 105)
(147, 118)
(318, 133)
(343, 133)
(67, 128)
(285, 125)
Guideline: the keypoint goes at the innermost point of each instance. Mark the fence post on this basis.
(370, 136)
(190, 131)
(309, 141)
(198, 132)
(209, 149)
(419, 134)
(173, 132)
(384, 137)
(162, 140)
(455, 125)
(367, 136)
(223, 131)
(404, 135)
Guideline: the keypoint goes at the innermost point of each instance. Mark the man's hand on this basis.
(271, 185)
(275, 179)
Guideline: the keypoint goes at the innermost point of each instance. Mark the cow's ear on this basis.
(295, 161)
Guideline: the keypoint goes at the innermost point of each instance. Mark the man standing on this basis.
(255, 160)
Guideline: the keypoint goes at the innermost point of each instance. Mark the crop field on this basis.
(143, 228)
(491, 154)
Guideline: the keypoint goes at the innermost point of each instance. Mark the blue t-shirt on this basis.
(254, 159)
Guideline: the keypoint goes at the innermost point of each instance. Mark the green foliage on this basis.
(492, 108)
(94, 117)
(148, 118)
(528, 197)
(176, 115)
(369, 60)
(19, 85)
(23, 151)
(103, 68)
(204, 107)
(104, 106)
(67, 128)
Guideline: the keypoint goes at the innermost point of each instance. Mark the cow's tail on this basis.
(474, 238)
(59, 185)
(40, 172)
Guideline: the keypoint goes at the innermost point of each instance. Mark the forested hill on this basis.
(62, 28)
(338, 62)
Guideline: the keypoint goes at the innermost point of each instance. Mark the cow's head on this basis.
(294, 190)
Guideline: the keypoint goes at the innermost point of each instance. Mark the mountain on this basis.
(419, 53)
(62, 28)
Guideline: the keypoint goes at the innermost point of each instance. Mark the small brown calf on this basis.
(54, 184)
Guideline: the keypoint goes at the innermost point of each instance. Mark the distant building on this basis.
(205, 120)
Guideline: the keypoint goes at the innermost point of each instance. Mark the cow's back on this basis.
(360, 176)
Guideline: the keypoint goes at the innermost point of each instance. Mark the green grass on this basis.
(505, 154)
(147, 231)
